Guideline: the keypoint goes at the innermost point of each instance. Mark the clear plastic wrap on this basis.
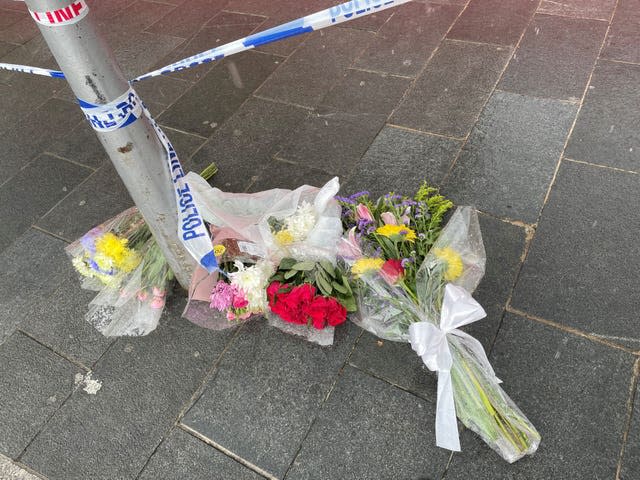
(395, 313)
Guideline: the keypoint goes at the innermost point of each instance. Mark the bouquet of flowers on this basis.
(413, 284)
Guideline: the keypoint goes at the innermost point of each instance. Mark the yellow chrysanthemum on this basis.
(453, 261)
(284, 237)
(363, 266)
(397, 232)
(218, 250)
(113, 251)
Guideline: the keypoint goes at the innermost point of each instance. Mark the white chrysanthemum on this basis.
(253, 283)
(301, 222)
(82, 267)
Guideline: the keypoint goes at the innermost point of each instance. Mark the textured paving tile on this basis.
(403, 44)
(555, 57)
(309, 73)
(244, 144)
(99, 198)
(366, 92)
(33, 191)
(371, 22)
(181, 454)
(581, 269)
(606, 131)
(370, 426)
(561, 393)
(58, 321)
(511, 155)
(140, 51)
(10, 17)
(79, 144)
(164, 90)
(185, 20)
(631, 460)
(21, 31)
(437, 104)
(220, 93)
(494, 21)
(598, 9)
(400, 160)
(6, 48)
(145, 383)
(277, 174)
(282, 387)
(332, 140)
(33, 384)
(623, 42)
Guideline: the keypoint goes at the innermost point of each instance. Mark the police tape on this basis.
(72, 13)
(331, 16)
(33, 70)
(125, 110)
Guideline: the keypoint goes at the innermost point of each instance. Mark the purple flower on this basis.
(405, 262)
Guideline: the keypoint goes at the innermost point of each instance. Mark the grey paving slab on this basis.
(309, 73)
(511, 155)
(34, 382)
(185, 19)
(400, 160)
(283, 389)
(32, 268)
(368, 426)
(243, 145)
(366, 92)
(163, 90)
(33, 191)
(183, 456)
(561, 393)
(606, 131)
(597, 9)
(21, 31)
(371, 22)
(555, 58)
(403, 44)
(220, 93)
(494, 21)
(146, 381)
(278, 174)
(79, 144)
(449, 95)
(631, 460)
(398, 363)
(97, 199)
(332, 140)
(138, 52)
(134, 18)
(9, 17)
(6, 48)
(57, 320)
(623, 41)
(581, 268)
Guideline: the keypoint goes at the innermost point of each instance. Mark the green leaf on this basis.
(304, 266)
(290, 274)
(339, 288)
(349, 303)
(287, 263)
(327, 267)
(325, 287)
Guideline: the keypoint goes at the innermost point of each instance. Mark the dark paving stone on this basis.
(183, 456)
(332, 140)
(220, 93)
(164, 90)
(597, 9)
(21, 284)
(58, 322)
(33, 384)
(558, 381)
(21, 31)
(366, 92)
(623, 41)
(555, 57)
(146, 381)
(277, 174)
(397, 363)
(509, 160)
(186, 19)
(149, 49)
(9, 17)
(283, 389)
(371, 22)
(581, 269)
(437, 104)
(33, 191)
(243, 145)
(308, 74)
(80, 145)
(26, 139)
(400, 160)
(6, 48)
(631, 460)
(370, 426)
(135, 18)
(99, 198)
(403, 44)
(494, 21)
(606, 131)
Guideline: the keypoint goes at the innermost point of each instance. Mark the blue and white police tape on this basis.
(192, 230)
(34, 70)
(325, 18)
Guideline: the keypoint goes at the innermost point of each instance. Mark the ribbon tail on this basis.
(446, 422)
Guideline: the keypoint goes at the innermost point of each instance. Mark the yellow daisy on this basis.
(453, 260)
(363, 266)
(396, 232)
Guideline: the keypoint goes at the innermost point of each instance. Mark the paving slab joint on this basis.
(633, 388)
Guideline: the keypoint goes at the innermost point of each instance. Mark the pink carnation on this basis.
(222, 295)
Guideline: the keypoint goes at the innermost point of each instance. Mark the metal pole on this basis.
(134, 150)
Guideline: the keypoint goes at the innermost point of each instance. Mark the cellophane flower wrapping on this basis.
(122, 262)
(302, 224)
(387, 310)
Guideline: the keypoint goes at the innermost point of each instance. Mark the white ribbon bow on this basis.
(430, 342)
